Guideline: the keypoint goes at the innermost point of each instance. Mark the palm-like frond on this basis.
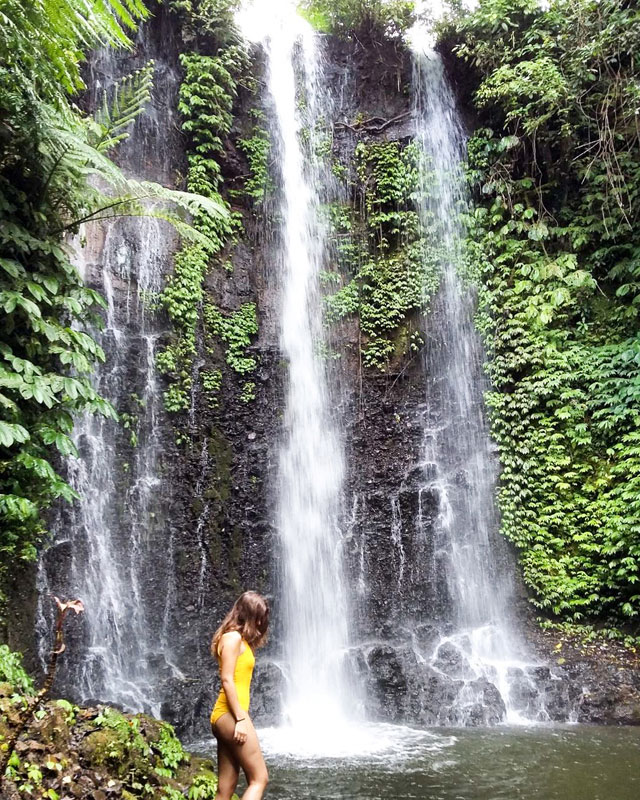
(121, 105)
(85, 185)
(50, 35)
(147, 199)
(107, 192)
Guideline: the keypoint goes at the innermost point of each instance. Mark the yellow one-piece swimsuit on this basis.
(242, 680)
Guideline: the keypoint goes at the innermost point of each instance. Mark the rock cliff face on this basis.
(213, 506)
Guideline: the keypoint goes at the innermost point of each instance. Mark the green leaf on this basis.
(11, 433)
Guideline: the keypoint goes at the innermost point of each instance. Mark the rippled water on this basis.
(541, 763)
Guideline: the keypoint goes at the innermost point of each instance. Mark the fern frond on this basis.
(51, 35)
(68, 151)
(70, 159)
(131, 207)
(122, 105)
(147, 199)
(187, 201)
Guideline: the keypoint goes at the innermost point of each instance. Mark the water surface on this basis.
(542, 763)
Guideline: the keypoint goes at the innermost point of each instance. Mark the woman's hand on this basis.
(240, 732)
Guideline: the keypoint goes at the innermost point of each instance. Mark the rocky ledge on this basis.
(72, 753)
(605, 672)
(566, 679)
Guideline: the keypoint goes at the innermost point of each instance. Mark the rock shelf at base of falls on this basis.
(97, 753)
(607, 673)
(566, 681)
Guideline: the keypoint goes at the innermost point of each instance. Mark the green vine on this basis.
(236, 332)
(248, 393)
(392, 262)
(554, 242)
(206, 104)
(257, 149)
(206, 98)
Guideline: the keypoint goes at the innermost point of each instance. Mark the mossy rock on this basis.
(103, 753)
(150, 728)
(105, 747)
(4, 730)
(9, 711)
(119, 748)
(53, 728)
(198, 766)
(6, 689)
(401, 342)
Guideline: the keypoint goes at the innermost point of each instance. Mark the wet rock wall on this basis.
(219, 461)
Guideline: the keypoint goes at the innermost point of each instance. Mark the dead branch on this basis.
(370, 126)
(39, 698)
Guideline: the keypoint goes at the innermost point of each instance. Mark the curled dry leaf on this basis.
(71, 605)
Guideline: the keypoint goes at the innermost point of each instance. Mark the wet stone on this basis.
(489, 707)
(452, 661)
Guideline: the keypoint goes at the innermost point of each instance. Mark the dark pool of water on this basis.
(568, 763)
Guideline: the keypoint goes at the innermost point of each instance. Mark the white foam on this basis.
(377, 742)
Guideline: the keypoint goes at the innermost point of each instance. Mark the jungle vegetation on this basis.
(52, 158)
(554, 243)
(552, 96)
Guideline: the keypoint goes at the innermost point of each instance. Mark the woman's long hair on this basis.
(250, 617)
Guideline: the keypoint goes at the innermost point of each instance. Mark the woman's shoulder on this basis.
(231, 637)
(231, 641)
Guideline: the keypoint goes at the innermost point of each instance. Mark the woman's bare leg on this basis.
(228, 769)
(247, 755)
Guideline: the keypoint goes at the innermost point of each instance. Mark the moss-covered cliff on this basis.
(557, 312)
(94, 753)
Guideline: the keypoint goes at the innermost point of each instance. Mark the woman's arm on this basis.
(230, 645)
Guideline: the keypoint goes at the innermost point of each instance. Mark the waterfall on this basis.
(482, 645)
(315, 611)
(111, 548)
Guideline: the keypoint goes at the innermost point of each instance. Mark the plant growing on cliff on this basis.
(369, 18)
(235, 331)
(257, 149)
(394, 265)
(50, 158)
(206, 100)
(554, 242)
(13, 672)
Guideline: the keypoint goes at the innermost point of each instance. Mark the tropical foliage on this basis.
(384, 249)
(52, 160)
(13, 672)
(211, 71)
(370, 18)
(134, 756)
(555, 244)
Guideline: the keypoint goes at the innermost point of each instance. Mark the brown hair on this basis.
(250, 617)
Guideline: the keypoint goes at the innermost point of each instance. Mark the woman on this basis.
(242, 631)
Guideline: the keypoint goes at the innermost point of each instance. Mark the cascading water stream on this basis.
(110, 549)
(459, 464)
(315, 607)
(114, 548)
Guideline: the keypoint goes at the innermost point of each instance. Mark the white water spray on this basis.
(111, 548)
(458, 459)
(321, 701)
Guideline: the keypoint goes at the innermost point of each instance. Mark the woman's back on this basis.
(242, 675)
